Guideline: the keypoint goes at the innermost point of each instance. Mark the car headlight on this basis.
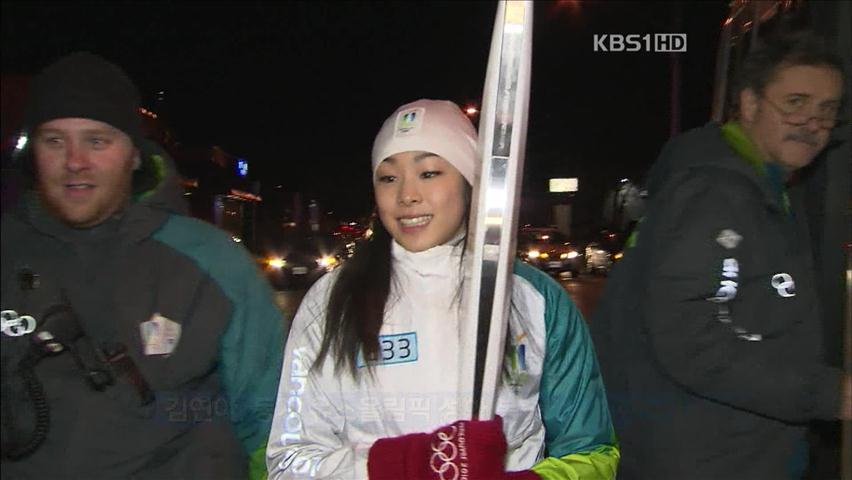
(276, 262)
(326, 261)
(533, 254)
(571, 254)
(618, 255)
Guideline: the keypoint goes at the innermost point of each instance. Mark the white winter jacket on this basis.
(551, 399)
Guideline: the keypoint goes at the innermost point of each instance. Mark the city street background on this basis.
(584, 291)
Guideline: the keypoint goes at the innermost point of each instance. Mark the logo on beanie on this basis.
(408, 122)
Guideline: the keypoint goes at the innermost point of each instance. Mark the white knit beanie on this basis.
(434, 126)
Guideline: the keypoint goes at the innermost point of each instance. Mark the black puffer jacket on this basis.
(708, 332)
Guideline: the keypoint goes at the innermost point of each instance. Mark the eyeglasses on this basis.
(796, 113)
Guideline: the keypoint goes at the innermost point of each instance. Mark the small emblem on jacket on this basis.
(15, 325)
(159, 335)
(784, 284)
(516, 363)
(729, 238)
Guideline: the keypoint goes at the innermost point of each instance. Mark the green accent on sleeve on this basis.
(598, 464)
(572, 398)
(634, 236)
(631, 240)
(257, 464)
(251, 348)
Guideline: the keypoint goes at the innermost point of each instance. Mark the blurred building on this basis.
(220, 190)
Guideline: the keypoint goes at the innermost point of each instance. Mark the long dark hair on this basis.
(356, 305)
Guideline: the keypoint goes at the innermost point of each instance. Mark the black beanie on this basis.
(84, 85)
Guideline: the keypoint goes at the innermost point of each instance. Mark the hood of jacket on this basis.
(712, 146)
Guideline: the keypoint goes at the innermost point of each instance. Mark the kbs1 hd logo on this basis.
(634, 42)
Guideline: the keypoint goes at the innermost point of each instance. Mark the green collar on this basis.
(736, 138)
(152, 175)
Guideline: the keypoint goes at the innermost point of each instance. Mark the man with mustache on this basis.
(708, 332)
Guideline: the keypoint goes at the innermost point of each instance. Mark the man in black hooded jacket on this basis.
(708, 332)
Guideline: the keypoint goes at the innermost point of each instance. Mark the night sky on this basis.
(300, 89)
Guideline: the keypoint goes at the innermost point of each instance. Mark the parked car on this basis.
(603, 251)
(598, 259)
(549, 250)
(300, 258)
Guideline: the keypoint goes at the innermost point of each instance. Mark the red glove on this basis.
(464, 450)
